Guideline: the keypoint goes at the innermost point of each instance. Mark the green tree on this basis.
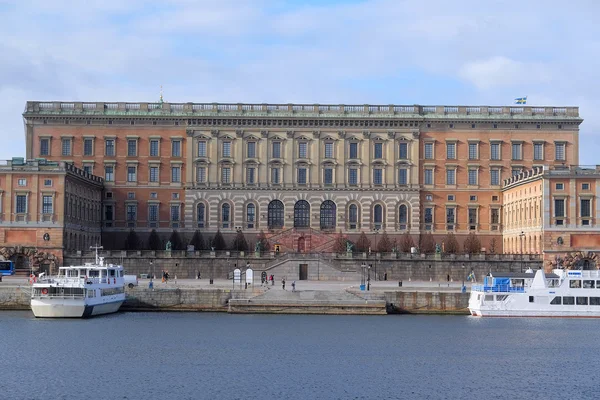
(197, 240)
(218, 242)
(132, 242)
(154, 242)
(239, 243)
(176, 242)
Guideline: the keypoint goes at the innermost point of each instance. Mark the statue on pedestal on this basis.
(438, 249)
(349, 247)
(257, 247)
(168, 246)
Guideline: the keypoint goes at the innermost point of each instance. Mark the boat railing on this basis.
(58, 295)
(498, 288)
(76, 280)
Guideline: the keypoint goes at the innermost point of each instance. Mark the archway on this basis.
(301, 214)
(301, 244)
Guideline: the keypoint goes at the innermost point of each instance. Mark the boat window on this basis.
(575, 284)
(594, 301)
(489, 297)
(582, 301)
(552, 282)
(91, 293)
(93, 273)
(112, 272)
(501, 297)
(588, 284)
(556, 300)
(597, 284)
(531, 299)
(568, 300)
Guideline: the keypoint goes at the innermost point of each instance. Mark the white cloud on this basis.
(502, 71)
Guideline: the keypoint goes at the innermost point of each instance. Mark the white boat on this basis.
(562, 293)
(79, 291)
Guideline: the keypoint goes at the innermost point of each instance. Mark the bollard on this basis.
(399, 283)
(211, 281)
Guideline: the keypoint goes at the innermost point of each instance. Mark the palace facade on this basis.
(301, 173)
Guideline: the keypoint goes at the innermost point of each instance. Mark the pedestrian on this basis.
(272, 280)
(283, 283)
(448, 277)
(199, 275)
(293, 286)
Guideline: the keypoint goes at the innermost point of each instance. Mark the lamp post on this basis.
(521, 235)
(463, 277)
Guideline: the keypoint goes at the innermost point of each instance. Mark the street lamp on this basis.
(463, 277)
(521, 235)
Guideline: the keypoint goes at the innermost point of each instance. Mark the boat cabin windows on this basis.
(597, 284)
(556, 300)
(582, 301)
(531, 298)
(111, 273)
(575, 284)
(93, 273)
(91, 293)
(489, 297)
(594, 301)
(588, 284)
(568, 300)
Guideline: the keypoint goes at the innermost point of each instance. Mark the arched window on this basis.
(328, 215)
(225, 215)
(201, 215)
(402, 216)
(353, 216)
(250, 215)
(275, 215)
(378, 216)
(301, 214)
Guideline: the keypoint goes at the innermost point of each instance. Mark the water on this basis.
(221, 356)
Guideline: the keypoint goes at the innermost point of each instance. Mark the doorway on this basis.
(303, 272)
(301, 244)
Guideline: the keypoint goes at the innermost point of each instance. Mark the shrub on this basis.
(451, 244)
(363, 244)
(132, 242)
(263, 242)
(472, 244)
(154, 242)
(197, 240)
(406, 242)
(385, 244)
(427, 243)
(218, 242)
(176, 242)
(239, 243)
(339, 246)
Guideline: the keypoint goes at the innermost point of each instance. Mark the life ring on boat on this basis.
(44, 291)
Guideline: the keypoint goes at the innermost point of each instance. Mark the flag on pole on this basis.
(521, 100)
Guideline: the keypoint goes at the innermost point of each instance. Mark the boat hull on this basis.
(533, 314)
(72, 308)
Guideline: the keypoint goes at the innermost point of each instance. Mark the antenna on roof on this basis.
(96, 248)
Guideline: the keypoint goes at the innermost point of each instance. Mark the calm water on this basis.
(221, 356)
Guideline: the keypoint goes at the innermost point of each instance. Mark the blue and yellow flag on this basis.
(521, 100)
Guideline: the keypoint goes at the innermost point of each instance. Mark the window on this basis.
(225, 215)
(585, 186)
(353, 176)
(494, 176)
(44, 147)
(250, 175)
(109, 173)
(328, 150)
(153, 174)
(560, 186)
(275, 176)
(516, 171)
(227, 149)
(46, 204)
(582, 301)
(538, 151)
(226, 175)
(250, 215)
(429, 151)
(428, 177)
(494, 151)
(353, 150)
(473, 176)
(378, 150)
(559, 208)
(131, 212)
(403, 151)
(302, 149)
(131, 147)
(353, 216)
(403, 176)
(473, 151)
(88, 146)
(378, 216)
(451, 197)
(21, 206)
(428, 218)
(302, 176)
(328, 176)
(109, 147)
(200, 215)
(428, 197)
(559, 149)
(175, 174)
(301, 214)
(588, 284)
(87, 169)
(472, 198)
(450, 151)
(556, 301)
(377, 176)
(594, 301)
(450, 218)
(516, 151)
(131, 195)
(153, 213)
(275, 214)
(327, 216)
(472, 218)
(131, 174)
(585, 208)
(47, 182)
(450, 177)
(402, 216)
(202, 148)
(66, 147)
(154, 148)
(174, 213)
(176, 148)
(251, 150)
(201, 178)
(22, 182)
(153, 195)
(276, 149)
(568, 300)
(495, 198)
(495, 216)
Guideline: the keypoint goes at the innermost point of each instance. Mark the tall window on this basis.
(378, 216)
(109, 173)
(585, 208)
(494, 151)
(250, 172)
(450, 177)
(251, 150)
(301, 214)
(495, 217)
(175, 213)
(250, 215)
(494, 176)
(353, 216)
(354, 150)
(428, 218)
(328, 176)
(538, 151)
(154, 148)
(87, 169)
(403, 216)
(131, 148)
(328, 210)
(275, 214)
(516, 171)
(302, 176)
(377, 176)
(66, 147)
(153, 213)
(378, 150)
(329, 150)
(46, 204)
(276, 149)
(131, 174)
(559, 151)
(225, 215)
(176, 148)
(227, 149)
(428, 177)
(403, 176)
(473, 151)
(403, 151)
(429, 151)
(109, 146)
(202, 148)
(302, 149)
(201, 175)
(353, 176)
(175, 174)
(472, 218)
(225, 175)
(275, 175)
(450, 218)
(450, 151)
(472, 176)
(44, 147)
(200, 215)
(88, 146)
(108, 213)
(516, 151)
(153, 174)
(131, 212)
(559, 208)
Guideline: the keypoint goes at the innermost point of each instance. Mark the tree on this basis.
(493, 244)
(385, 244)
(472, 244)
(339, 246)
(239, 243)
(176, 242)
(451, 244)
(406, 242)
(363, 244)
(132, 242)
(197, 240)
(218, 242)
(263, 242)
(154, 242)
(427, 243)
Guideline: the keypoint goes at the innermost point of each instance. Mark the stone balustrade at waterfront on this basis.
(322, 110)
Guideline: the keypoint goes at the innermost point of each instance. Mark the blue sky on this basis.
(433, 52)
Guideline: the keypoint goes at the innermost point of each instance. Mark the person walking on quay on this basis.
(283, 283)
(293, 286)
(272, 280)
